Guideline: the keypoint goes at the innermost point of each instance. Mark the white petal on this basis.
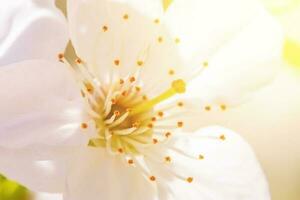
(240, 42)
(39, 169)
(97, 175)
(40, 104)
(101, 35)
(228, 170)
(47, 196)
(31, 30)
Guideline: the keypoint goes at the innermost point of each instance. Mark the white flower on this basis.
(30, 29)
(117, 123)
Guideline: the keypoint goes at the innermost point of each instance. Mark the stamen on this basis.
(168, 159)
(156, 21)
(125, 16)
(152, 178)
(222, 137)
(84, 125)
(104, 28)
(201, 157)
(140, 63)
(130, 161)
(179, 124)
(189, 179)
(171, 72)
(177, 87)
(207, 108)
(223, 107)
(61, 57)
(117, 62)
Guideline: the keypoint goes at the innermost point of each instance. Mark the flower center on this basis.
(123, 116)
(128, 116)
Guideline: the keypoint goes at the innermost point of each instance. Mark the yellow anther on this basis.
(84, 125)
(207, 108)
(168, 159)
(155, 141)
(150, 125)
(60, 57)
(156, 21)
(189, 179)
(140, 63)
(132, 79)
(205, 64)
(171, 72)
(201, 157)
(130, 162)
(125, 16)
(180, 104)
(78, 61)
(160, 113)
(153, 119)
(89, 87)
(160, 39)
(121, 81)
(177, 87)
(168, 134)
(152, 178)
(223, 107)
(137, 88)
(222, 137)
(117, 62)
(179, 124)
(120, 150)
(104, 28)
(177, 40)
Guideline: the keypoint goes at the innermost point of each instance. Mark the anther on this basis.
(155, 141)
(179, 124)
(180, 104)
(156, 21)
(140, 63)
(160, 114)
(117, 113)
(153, 119)
(152, 178)
(205, 64)
(84, 125)
(137, 88)
(177, 40)
(171, 72)
(223, 107)
(132, 79)
(168, 134)
(117, 62)
(145, 98)
(120, 150)
(150, 125)
(61, 57)
(130, 162)
(160, 39)
(168, 159)
(189, 179)
(200, 157)
(113, 101)
(125, 16)
(222, 137)
(89, 87)
(207, 108)
(121, 81)
(104, 28)
(78, 61)
(124, 93)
